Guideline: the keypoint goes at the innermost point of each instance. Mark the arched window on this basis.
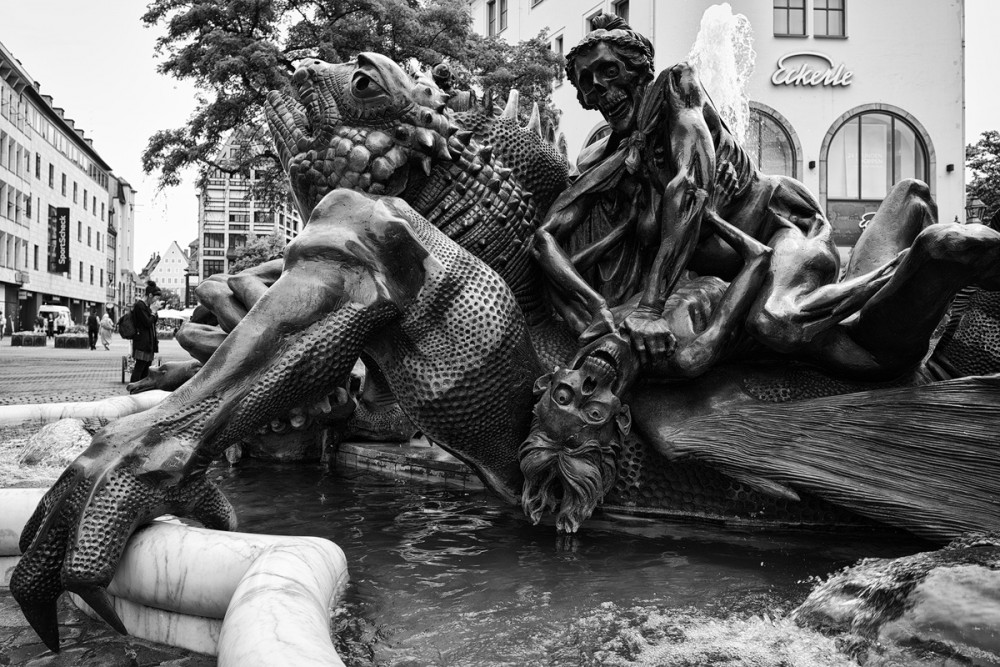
(869, 153)
(770, 145)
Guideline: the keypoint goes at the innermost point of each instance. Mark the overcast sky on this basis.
(97, 61)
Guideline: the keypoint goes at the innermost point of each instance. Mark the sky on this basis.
(98, 62)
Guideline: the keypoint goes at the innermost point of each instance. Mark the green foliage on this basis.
(259, 249)
(235, 51)
(171, 299)
(983, 158)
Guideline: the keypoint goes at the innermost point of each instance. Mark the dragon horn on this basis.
(535, 121)
(510, 111)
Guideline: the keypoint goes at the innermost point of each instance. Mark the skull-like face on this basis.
(606, 83)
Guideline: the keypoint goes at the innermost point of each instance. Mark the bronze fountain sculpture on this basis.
(449, 250)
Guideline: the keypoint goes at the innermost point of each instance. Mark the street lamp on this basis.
(187, 287)
(974, 209)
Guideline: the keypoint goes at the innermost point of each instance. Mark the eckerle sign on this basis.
(804, 75)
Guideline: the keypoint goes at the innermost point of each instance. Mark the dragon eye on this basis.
(364, 87)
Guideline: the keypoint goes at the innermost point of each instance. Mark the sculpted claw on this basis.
(97, 598)
(43, 617)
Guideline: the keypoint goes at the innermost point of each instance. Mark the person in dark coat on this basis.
(50, 327)
(93, 328)
(144, 344)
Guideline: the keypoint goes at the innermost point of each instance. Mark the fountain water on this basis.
(724, 58)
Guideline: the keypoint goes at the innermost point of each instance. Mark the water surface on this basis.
(446, 577)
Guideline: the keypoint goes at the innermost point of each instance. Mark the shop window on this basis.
(770, 145)
(829, 18)
(789, 18)
(869, 154)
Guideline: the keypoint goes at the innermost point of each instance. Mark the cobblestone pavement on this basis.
(85, 643)
(50, 375)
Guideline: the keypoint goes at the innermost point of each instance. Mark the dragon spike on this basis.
(510, 111)
(465, 136)
(423, 138)
(425, 164)
(486, 153)
(441, 148)
(504, 173)
(535, 122)
(451, 130)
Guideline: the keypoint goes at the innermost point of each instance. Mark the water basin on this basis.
(441, 576)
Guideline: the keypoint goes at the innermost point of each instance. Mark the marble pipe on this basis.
(109, 408)
(250, 599)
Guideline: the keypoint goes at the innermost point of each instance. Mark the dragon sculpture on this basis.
(417, 257)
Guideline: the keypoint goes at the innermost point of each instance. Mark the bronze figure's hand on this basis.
(650, 335)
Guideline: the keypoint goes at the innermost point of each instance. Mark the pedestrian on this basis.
(107, 326)
(93, 328)
(62, 322)
(51, 326)
(39, 324)
(144, 343)
(3, 324)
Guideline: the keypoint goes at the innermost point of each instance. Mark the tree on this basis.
(171, 299)
(259, 249)
(237, 50)
(983, 158)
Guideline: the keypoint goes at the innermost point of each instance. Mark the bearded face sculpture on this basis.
(570, 458)
(606, 82)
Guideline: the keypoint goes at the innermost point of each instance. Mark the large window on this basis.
(503, 15)
(869, 154)
(214, 266)
(491, 17)
(829, 18)
(770, 145)
(214, 240)
(789, 18)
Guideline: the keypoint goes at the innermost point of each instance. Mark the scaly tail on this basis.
(922, 458)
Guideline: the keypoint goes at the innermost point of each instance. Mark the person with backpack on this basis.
(144, 342)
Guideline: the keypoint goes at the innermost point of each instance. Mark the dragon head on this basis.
(570, 457)
(364, 125)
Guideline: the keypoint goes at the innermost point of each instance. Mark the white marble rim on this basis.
(252, 600)
(108, 408)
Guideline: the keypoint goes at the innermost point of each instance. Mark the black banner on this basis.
(58, 240)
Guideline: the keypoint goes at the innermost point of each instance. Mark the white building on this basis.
(848, 96)
(59, 236)
(228, 215)
(171, 269)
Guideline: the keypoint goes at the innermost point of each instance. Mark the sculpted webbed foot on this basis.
(79, 530)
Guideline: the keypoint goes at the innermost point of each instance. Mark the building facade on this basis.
(848, 96)
(169, 272)
(59, 236)
(229, 215)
